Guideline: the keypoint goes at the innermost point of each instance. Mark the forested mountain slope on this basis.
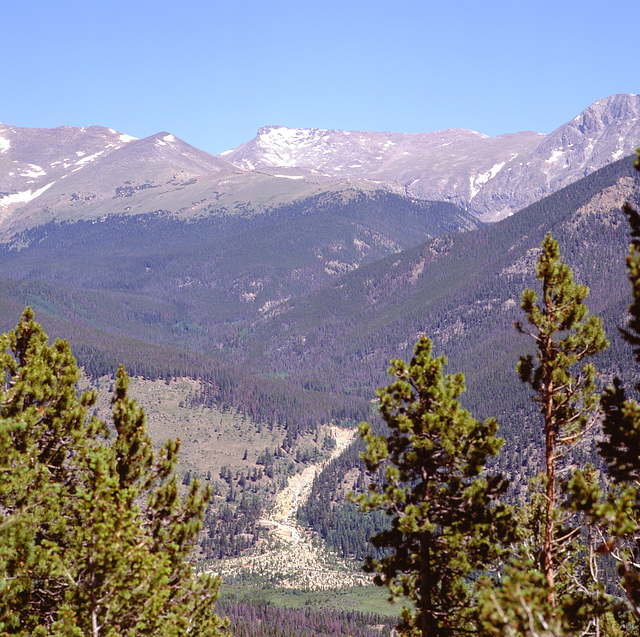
(464, 293)
(463, 290)
(292, 316)
(303, 293)
(168, 297)
(199, 283)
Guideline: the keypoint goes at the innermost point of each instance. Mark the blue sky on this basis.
(213, 72)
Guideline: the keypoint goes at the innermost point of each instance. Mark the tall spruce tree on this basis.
(565, 334)
(446, 521)
(94, 539)
(621, 447)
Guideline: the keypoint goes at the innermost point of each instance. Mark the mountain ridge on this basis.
(66, 174)
(465, 167)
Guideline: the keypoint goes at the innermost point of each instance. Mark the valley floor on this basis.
(294, 559)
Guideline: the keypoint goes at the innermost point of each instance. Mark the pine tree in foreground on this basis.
(446, 521)
(94, 539)
(565, 334)
(553, 587)
(616, 511)
(621, 447)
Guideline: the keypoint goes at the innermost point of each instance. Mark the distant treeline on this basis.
(265, 620)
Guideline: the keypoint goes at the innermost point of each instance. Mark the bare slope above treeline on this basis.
(66, 174)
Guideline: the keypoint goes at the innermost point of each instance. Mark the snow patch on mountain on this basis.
(5, 144)
(555, 156)
(35, 171)
(279, 143)
(476, 183)
(23, 197)
(89, 158)
(165, 140)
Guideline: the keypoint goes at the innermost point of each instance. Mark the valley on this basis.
(256, 299)
(212, 441)
(298, 560)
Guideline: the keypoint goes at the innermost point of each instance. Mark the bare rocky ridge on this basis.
(79, 173)
(490, 176)
(88, 173)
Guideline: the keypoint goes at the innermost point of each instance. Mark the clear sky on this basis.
(212, 72)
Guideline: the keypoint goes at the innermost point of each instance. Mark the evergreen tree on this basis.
(446, 522)
(619, 511)
(564, 385)
(94, 539)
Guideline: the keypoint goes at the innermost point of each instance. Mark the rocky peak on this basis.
(490, 176)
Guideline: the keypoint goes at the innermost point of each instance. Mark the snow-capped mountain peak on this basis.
(491, 176)
(71, 173)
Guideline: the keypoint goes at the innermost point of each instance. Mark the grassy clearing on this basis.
(366, 599)
(210, 438)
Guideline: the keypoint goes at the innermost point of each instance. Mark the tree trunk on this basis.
(427, 622)
(549, 523)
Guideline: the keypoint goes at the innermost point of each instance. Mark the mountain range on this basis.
(66, 174)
